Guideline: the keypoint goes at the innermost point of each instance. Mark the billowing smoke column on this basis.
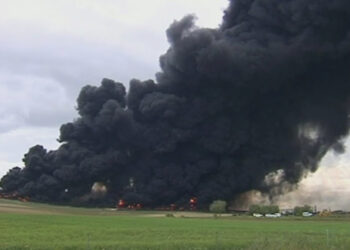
(252, 105)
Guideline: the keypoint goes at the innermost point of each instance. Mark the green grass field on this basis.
(40, 226)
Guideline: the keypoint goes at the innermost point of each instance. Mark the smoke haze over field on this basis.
(252, 105)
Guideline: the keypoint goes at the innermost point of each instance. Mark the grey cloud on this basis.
(62, 65)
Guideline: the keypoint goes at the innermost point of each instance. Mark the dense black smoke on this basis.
(252, 105)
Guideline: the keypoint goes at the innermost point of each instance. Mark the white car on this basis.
(307, 214)
(276, 215)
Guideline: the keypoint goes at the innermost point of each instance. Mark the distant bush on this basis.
(272, 209)
(259, 209)
(298, 211)
(218, 206)
(254, 209)
(169, 215)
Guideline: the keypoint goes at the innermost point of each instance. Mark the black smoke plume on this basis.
(252, 105)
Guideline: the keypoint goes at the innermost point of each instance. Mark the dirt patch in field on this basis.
(185, 215)
(9, 206)
(22, 210)
(13, 206)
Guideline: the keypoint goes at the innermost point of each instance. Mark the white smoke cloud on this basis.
(327, 188)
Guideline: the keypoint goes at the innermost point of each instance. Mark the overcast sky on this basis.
(50, 49)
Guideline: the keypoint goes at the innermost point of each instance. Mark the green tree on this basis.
(272, 209)
(255, 209)
(258, 209)
(218, 206)
(298, 211)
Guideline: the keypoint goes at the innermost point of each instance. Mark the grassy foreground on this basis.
(39, 226)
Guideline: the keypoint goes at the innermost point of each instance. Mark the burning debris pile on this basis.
(252, 105)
